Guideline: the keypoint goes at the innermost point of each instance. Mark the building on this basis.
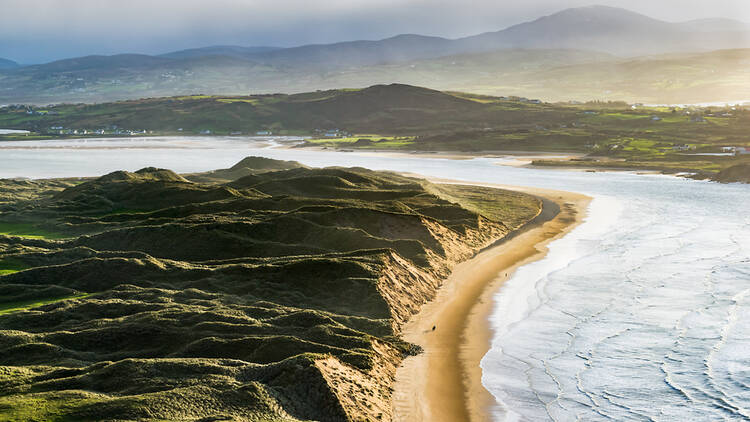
(742, 151)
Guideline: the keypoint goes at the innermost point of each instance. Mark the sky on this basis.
(45, 30)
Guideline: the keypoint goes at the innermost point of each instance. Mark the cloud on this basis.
(51, 29)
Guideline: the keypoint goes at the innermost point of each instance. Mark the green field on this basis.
(364, 142)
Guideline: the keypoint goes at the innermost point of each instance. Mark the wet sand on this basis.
(444, 383)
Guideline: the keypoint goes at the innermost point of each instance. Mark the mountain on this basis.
(518, 60)
(219, 50)
(598, 28)
(98, 63)
(7, 64)
(715, 24)
(562, 75)
(360, 53)
(614, 31)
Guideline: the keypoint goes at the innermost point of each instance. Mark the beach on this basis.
(444, 383)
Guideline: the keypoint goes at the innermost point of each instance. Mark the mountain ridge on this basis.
(7, 64)
(573, 21)
(415, 59)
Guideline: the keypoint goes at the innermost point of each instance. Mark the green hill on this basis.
(734, 174)
(277, 296)
(384, 109)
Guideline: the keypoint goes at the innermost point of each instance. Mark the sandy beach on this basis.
(444, 383)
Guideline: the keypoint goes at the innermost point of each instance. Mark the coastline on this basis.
(444, 383)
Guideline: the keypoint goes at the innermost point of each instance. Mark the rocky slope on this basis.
(268, 291)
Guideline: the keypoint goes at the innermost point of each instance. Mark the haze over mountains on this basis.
(551, 57)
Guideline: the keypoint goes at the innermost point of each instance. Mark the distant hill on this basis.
(597, 28)
(96, 64)
(562, 75)
(219, 50)
(714, 24)
(361, 53)
(582, 53)
(739, 173)
(7, 64)
(614, 31)
(399, 108)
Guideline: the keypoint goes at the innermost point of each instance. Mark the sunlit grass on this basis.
(238, 100)
(7, 308)
(28, 231)
(193, 97)
(377, 141)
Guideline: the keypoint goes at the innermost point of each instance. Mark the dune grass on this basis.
(28, 231)
(10, 307)
(44, 406)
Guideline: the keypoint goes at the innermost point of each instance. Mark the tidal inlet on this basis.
(352, 211)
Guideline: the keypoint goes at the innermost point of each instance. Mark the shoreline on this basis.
(444, 383)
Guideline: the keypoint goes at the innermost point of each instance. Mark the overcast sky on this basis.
(44, 30)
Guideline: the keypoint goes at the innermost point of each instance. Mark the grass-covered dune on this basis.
(268, 291)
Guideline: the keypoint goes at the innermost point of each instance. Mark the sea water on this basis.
(640, 313)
